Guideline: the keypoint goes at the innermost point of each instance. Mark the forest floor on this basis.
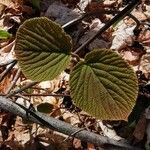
(133, 45)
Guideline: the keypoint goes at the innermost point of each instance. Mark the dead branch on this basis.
(7, 70)
(22, 89)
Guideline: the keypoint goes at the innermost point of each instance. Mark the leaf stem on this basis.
(76, 56)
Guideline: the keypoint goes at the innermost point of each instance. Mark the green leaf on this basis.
(4, 35)
(42, 49)
(104, 85)
(45, 107)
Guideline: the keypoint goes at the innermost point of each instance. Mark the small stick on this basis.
(76, 56)
(84, 15)
(6, 71)
(21, 89)
(25, 94)
(7, 62)
(76, 20)
(55, 95)
(14, 81)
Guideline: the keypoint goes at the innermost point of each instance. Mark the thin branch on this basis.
(14, 81)
(119, 16)
(9, 47)
(43, 94)
(6, 71)
(60, 126)
(85, 15)
(7, 62)
(72, 22)
(22, 89)
(145, 23)
(55, 95)
(76, 56)
(73, 134)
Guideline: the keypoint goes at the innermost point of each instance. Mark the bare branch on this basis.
(7, 62)
(22, 89)
(14, 81)
(6, 71)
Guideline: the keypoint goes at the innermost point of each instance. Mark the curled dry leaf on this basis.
(14, 6)
(109, 131)
(55, 84)
(132, 55)
(122, 36)
(144, 37)
(147, 13)
(23, 102)
(70, 118)
(6, 2)
(5, 84)
(49, 86)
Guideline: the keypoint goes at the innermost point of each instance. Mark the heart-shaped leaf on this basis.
(42, 49)
(104, 85)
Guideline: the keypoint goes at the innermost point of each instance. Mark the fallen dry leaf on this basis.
(123, 36)
(132, 55)
(109, 131)
(5, 83)
(6, 2)
(144, 36)
(8, 47)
